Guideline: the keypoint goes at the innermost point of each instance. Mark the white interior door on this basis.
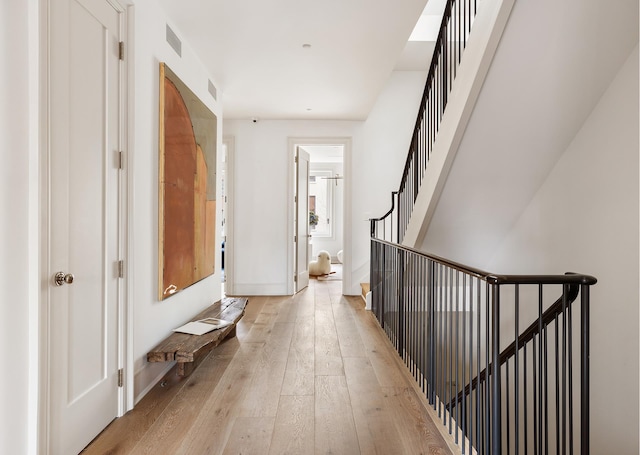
(84, 220)
(302, 220)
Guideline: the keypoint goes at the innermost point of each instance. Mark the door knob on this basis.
(60, 278)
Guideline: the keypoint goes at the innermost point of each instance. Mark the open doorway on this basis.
(223, 213)
(328, 205)
(226, 214)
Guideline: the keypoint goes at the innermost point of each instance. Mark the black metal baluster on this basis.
(465, 428)
(470, 409)
(540, 370)
(479, 433)
(584, 370)
(450, 347)
(440, 340)
(507, 404)
(464, 19)
(423, 335)
(487, 383)
(457, 356)
(496, 420)
(557, 383)
(411, 315)
(517, 368)
(526, 400)
(535, 402)
(546, 391)
(431, 332)
(570, 348)
(565, 292)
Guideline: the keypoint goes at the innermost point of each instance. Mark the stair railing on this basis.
(498, 389)
(452, 39)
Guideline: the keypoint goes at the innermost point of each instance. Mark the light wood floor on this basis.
(312, 373)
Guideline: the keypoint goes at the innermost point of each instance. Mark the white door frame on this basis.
(125, 311)
(292, 142)
(301, 229)
(229, 190)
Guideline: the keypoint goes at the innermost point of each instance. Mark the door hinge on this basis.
(296, 159)
(295, 238)
(120, 377)
(121, 269)
(121, 50)
(121, 160)
(295, 199)
(295, 278)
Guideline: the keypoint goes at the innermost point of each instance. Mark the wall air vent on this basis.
(213, 91)
(174, 41)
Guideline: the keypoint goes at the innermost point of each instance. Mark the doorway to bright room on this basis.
(328, 221)
(326, 205)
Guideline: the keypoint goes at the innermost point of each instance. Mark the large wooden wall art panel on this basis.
(187, 190)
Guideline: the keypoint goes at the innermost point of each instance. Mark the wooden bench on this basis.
(190, 350)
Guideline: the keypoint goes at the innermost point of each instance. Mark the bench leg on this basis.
(185, 369)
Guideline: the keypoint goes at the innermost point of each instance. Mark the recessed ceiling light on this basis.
(306, 46)
(308, 108)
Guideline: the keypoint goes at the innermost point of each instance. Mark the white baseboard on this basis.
(147, 377)
(247, 289)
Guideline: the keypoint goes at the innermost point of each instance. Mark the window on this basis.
(320, 203)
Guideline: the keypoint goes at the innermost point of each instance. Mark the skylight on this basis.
(428, 24)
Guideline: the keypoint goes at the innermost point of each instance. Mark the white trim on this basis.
(43, 226)
(229, 262)
(330, 196)
(43, 207)
(33, 49)
(292, 142)
(125, 313)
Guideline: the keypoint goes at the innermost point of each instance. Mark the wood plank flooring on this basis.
(307, 374)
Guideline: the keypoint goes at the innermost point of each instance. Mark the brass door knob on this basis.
(61, 278)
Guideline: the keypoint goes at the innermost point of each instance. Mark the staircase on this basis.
(496, 388)
(366, 295)
(471, 29)
(503, 359)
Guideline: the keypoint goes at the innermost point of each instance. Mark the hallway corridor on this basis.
(312, 373)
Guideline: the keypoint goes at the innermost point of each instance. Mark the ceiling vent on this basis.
(213, 91)
(174, 41)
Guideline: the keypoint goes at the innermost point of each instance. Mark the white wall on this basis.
(18, 229)
(386, 137)
(153, 319)
(379, 163)
(19, 202)
(584, 218)
(260, 189)
(531, 105)
(379, 148)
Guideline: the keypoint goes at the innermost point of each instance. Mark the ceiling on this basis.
(255, 51)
